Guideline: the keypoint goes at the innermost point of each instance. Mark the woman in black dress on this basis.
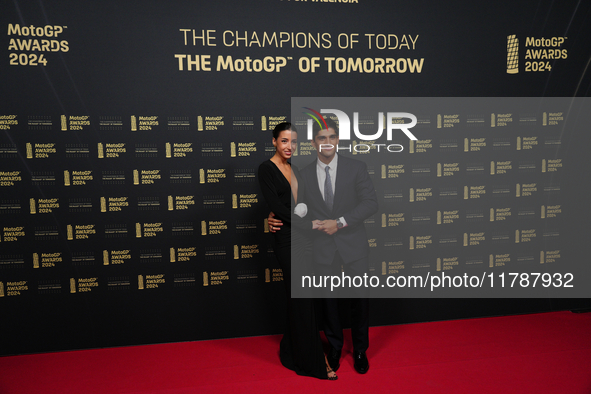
(301, 347)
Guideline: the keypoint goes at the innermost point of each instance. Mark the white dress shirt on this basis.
(321, 174)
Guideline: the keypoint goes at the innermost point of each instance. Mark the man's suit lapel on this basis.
(342, 184)
(315, 193)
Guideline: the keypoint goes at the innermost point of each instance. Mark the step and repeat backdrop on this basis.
(131, 134)
(475, 199)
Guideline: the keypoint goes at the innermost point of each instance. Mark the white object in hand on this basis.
(301, 210)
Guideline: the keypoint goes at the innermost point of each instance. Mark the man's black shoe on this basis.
(361, 363)
(334, 358)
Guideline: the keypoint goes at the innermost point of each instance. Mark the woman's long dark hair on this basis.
(281, 127)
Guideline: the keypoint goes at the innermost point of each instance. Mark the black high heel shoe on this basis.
(329, 371)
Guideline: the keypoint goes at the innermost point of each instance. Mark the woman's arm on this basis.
(303, 223)
(267, 181)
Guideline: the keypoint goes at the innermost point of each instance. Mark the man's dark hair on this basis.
(329, 122)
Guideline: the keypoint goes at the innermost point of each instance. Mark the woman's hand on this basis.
(274, 224)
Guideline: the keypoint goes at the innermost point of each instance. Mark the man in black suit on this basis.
(340, 194)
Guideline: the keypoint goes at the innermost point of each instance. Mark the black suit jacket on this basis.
(354, 199)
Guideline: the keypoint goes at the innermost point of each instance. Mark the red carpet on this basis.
(540, 353)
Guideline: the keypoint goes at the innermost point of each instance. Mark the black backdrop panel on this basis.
(131, 134)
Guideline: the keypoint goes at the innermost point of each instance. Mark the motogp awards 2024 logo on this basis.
(392, 121)
(538, 53)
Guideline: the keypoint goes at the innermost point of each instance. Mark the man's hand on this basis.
(329, 227)
(316, 224)
(274, 224)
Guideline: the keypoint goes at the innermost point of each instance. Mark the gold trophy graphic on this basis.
(512, 54)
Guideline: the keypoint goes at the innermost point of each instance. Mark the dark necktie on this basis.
(328, 194)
